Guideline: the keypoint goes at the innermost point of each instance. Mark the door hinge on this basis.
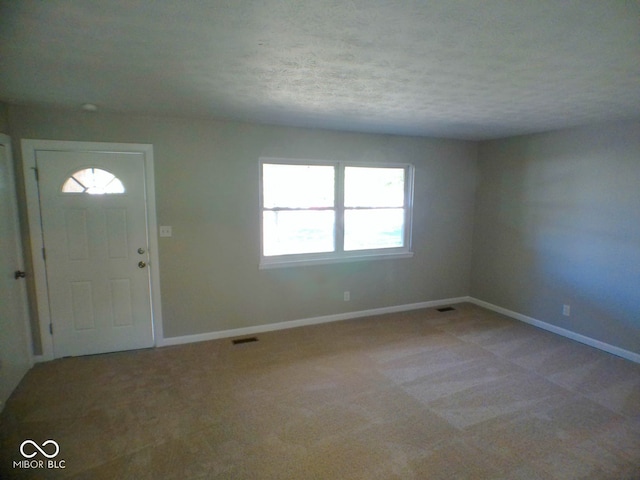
(51, 328)
(44, 254)
(36, 173)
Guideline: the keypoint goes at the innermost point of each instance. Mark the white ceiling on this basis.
(469, 69)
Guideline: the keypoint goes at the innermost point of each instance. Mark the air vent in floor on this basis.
(238, 341)
(446, 309)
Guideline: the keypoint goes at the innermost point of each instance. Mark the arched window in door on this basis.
(93, 181)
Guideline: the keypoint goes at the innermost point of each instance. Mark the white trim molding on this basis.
(236, 332)
(592, 342)
(270, 327)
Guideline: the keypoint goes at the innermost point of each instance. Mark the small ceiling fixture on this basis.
(89, 107)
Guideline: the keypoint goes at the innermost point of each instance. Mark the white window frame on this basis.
(339, 255)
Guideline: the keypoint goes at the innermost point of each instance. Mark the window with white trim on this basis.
(323, 212)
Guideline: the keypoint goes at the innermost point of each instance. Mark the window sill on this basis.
(267, 264)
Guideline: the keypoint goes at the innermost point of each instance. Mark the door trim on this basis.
(29, 149)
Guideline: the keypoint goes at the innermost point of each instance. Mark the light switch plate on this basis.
(165, 231)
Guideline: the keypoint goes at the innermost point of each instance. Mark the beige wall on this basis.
(558, 222)
(207, 190)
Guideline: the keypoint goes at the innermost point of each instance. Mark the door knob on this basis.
(141, 264)
(19, 274)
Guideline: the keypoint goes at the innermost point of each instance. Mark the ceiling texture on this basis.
(469, 69)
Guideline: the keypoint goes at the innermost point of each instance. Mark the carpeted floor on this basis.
(465, 394)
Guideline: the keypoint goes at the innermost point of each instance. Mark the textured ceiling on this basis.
(452, 68)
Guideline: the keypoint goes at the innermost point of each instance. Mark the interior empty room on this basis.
(320, 240)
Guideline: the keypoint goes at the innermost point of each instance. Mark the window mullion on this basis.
(339, 204)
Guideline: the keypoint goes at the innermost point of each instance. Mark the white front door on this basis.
(95, 235)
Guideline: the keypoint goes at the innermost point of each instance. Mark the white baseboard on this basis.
(236, 332)
(592, 342)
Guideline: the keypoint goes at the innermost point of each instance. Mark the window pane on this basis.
(299, 231)
(297, 186)
(72, 186)
(373, 187)
(112, 186)
(93, 181)
(364, 229)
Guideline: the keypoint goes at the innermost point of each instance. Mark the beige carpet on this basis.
(466, 394)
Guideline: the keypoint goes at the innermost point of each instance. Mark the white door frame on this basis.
(29, 150)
